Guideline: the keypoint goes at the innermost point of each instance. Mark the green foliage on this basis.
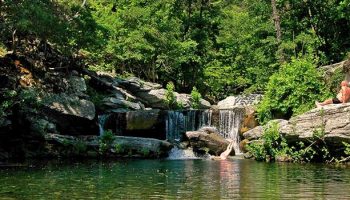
(292, 90)
(347, 148)
(195, 97)
(274, 147)
(335, 79)
(3, 50)
(79, 147)
(105, 142)
(119, 148)
(272, 144)
(170, 98)
(145, 152)
(96, 96)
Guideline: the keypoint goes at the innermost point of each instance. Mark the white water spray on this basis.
(230, 122)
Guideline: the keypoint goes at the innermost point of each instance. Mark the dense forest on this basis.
(221, 47)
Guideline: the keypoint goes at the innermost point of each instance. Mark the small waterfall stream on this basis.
(101, 122)
(229, 124)
(178, 122)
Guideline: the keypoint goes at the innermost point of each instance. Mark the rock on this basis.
(243, 145)
(156, 99)
(254, 133)
(136, 145)
(249, 121)
(71, 115)
(71, 105)
(142, 120)
(120, 103)
(202, 141)
(334, 119)
(153, 98)
(183, 99)
(204, 104)
(258, 131)
(136, 85)
(77, 84)
(236, 101)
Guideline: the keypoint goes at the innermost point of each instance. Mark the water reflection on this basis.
(176, 179)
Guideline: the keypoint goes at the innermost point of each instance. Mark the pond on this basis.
(175, 179)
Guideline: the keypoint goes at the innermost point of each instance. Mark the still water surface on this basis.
(175, 179)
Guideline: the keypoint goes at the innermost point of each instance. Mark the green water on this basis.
(175, 179)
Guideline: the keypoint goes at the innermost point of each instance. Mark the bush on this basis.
(106, 141)
(195, 97)
(292, 90)
(170, 98)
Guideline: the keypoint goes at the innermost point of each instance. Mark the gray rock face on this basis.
(142, 120)
(258, 131)
(207, 141)
(115, 103)
(70, 105)
(334, 119)
(137, 145)
(237, 101)
(77, 84)
(72, 116)
(153, 98)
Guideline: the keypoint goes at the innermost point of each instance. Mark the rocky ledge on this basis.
(331, 121)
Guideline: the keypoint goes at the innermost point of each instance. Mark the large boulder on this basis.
(207, 140)
(239, 101)
(65, 145)
(333, 120)
(71, 105)
(72, 116)
(258, 131)
(114, 103)
(142, 120)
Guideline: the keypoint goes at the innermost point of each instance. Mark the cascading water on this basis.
(178, 122)
(101, 122)
(230, 122)
(181, 154)
(205, 118)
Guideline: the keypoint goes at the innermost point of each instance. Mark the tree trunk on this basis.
(277, 20)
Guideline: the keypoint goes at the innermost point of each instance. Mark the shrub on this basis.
(195, 97)
(170, 98)
(292, 90)
(106, 141)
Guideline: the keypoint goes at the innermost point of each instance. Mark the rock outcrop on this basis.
(207, 140)
(332, 121)
(119, 146)
(239, 101)
(136, 94)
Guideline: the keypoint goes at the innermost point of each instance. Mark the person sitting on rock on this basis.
(343, 96)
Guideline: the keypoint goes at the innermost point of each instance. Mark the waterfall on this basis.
(101, 122)
(181, 154)
(205, 118)
(230, 122)
(178, 122)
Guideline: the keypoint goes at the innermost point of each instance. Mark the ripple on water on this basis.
(175, 179)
